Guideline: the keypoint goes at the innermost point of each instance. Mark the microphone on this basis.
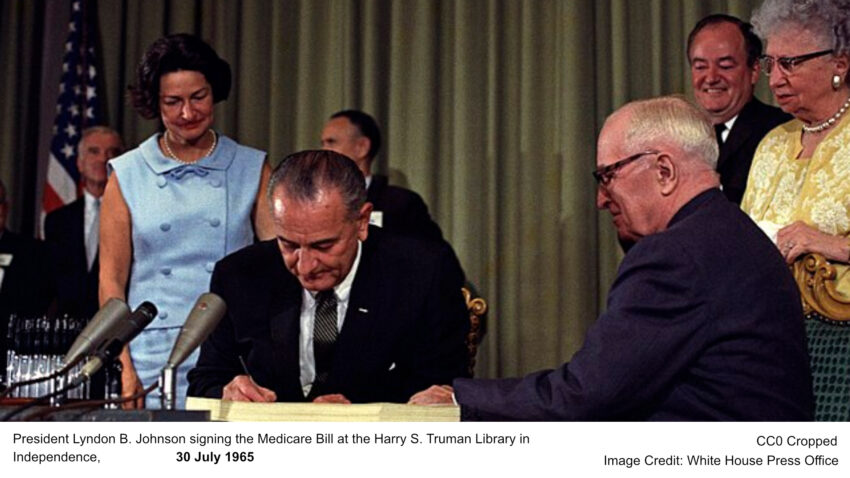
(204, 316)
(117, 338)
(113, 313)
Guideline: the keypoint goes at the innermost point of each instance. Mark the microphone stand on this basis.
(168, 388)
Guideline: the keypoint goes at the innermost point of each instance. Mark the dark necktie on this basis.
(324, 338)
(718, 131)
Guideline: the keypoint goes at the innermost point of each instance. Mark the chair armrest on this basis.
(815, 278)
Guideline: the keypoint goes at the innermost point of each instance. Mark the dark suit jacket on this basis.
(404, 329)
(403, 210)
(25, 289)
(76, 286)
(754, 121)
(703, 323)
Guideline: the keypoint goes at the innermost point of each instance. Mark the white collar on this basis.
(343, 289)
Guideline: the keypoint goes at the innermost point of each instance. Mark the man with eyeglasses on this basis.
(723, 53)
(703, 320)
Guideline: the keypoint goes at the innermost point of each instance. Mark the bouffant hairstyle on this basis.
(179, 52)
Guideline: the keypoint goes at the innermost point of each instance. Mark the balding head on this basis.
(653, 156)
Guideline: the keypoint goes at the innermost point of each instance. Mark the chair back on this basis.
(827, 318)
(477, 308)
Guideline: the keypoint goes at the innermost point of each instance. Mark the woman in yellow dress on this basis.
(799, 184)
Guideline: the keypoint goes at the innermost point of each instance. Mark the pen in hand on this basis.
(245, 368)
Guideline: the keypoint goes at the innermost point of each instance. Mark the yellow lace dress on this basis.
(782, 189)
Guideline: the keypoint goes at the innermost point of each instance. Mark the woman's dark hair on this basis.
(179, 52)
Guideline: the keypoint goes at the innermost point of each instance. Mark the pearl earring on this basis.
(836, 82)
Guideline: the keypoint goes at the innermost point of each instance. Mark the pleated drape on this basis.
(489, 110)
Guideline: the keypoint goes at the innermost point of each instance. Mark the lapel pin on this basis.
(362, 310)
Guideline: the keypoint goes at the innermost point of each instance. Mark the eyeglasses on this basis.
(605, 174)
(787, 64)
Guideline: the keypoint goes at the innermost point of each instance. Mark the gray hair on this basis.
(672, 119)
(97, 129)
(302, 175)
(828, 20)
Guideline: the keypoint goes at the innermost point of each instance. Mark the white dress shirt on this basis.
(91, 226)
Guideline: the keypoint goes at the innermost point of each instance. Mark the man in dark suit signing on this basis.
(333, 310)
(703, 320)
(723, 53)
(72, 231)
(356, 135)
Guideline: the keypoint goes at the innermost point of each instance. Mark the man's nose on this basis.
(306, 262)
(712, 74)
(602, 199)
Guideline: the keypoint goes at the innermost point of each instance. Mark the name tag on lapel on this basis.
(5, 260)
(376, 218)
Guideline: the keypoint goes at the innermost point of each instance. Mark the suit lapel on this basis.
(741, 131)
(356, 340)
(77, 236)
(284, 322)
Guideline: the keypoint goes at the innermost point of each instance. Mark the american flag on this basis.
(76, 109)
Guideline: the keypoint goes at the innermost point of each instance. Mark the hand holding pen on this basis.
(243, 388)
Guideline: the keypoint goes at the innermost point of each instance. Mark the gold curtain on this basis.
(489, 109)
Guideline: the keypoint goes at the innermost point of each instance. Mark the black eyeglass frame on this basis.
(605, 174)
(789, 63)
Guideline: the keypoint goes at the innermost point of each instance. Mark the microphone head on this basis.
(127, 331)
(113, 314)
(205, 315)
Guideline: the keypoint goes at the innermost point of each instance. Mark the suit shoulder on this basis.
(254, 257)
(406, 248)
(770, 115)
(64, 213)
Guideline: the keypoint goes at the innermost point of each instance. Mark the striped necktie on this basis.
(324, 338)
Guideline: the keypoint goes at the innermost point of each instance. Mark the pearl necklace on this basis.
(174, 156)
(830, 122)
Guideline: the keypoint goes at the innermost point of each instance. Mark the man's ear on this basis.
(362, 146)
(667, 173)
(754, 73)
(363, 221)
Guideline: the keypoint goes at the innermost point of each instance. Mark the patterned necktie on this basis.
(718, 131)
(93, 232)
(324, 338)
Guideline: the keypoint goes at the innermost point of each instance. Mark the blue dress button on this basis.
(161, 181)
(166, 271)
(215, 222)
(165, 227)
(163, 315)
(215, 182)
(209, 266)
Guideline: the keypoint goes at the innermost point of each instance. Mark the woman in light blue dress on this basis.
(175, 205)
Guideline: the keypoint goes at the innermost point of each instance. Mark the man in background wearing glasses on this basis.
(723, 53)
(703, 320)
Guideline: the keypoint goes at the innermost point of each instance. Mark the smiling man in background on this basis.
(723, 53)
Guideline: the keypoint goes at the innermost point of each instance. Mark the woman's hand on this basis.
(799, 238)
(130, 383)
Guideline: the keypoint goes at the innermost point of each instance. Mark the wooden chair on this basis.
(477, 308)
(827, 317)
